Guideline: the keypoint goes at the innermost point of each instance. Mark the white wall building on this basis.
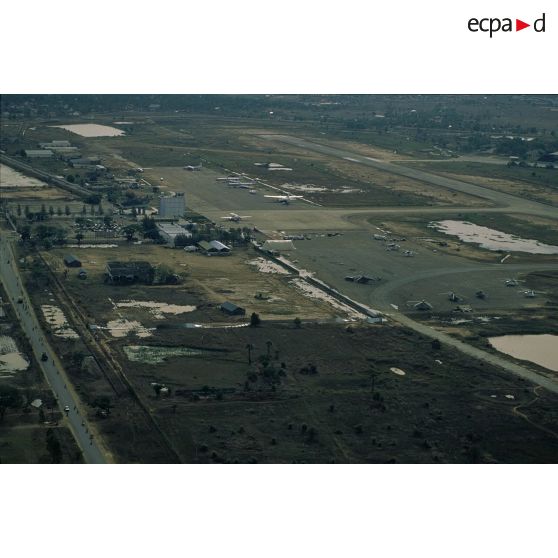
(172, 206)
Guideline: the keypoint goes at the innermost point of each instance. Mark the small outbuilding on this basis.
(39, 153)
(232, 309)
(214, 247)
(71, 261)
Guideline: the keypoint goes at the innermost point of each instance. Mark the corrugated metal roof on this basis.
(218, 245)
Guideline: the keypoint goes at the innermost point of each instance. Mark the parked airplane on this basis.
(452, 297)
(235, 217)
(193, 167)
(241, 185)
(286, 199)
(531, 293)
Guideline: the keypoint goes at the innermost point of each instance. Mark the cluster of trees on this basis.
(149, 229)
(165, 275)
(47, 235)
(43, 214)
(53, 446)
(132, 198)
(10, 398)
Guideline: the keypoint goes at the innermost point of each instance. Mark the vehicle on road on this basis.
(44, 357)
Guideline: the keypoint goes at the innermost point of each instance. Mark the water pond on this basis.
(542, 349)
(492, 239)
(91, 130)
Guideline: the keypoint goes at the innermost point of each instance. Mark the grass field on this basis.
(352, 409)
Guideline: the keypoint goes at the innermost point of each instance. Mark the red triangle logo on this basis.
(519, 25)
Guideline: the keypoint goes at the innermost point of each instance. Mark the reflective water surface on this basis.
(492, 239)
(542, 349)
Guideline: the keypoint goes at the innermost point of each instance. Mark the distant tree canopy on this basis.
(50, 234)
(182, 240)
(10, 398)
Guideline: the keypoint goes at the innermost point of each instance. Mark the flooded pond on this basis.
(91, 130)
(122, 327)
(157, 309)
(11, 360)
(542, 349)
(492, 239)
(157, 355)
(58, 322)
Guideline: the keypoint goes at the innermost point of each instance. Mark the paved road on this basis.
(513, 204)
(52, 368)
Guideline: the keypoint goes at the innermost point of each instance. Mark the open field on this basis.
(352, 409)
(207, 282)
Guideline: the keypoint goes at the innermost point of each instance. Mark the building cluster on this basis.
(69, 153)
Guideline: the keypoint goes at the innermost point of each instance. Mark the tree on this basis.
(250, 347)
(255, 320)
(297, 322)
(67, 210)
(25, 232)
(84, 209)
(129, 231)
(53, 446)
(59, 211)
(269, 344)
(93, 199)
(79, 238)
(436, 345)
(51, 210)
(182, 240)
(19, 210)
(165, 274)
(10, 398)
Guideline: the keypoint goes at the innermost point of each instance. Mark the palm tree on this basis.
(249, 346)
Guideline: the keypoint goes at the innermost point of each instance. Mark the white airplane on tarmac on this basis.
(235, 217)
(286, 199)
